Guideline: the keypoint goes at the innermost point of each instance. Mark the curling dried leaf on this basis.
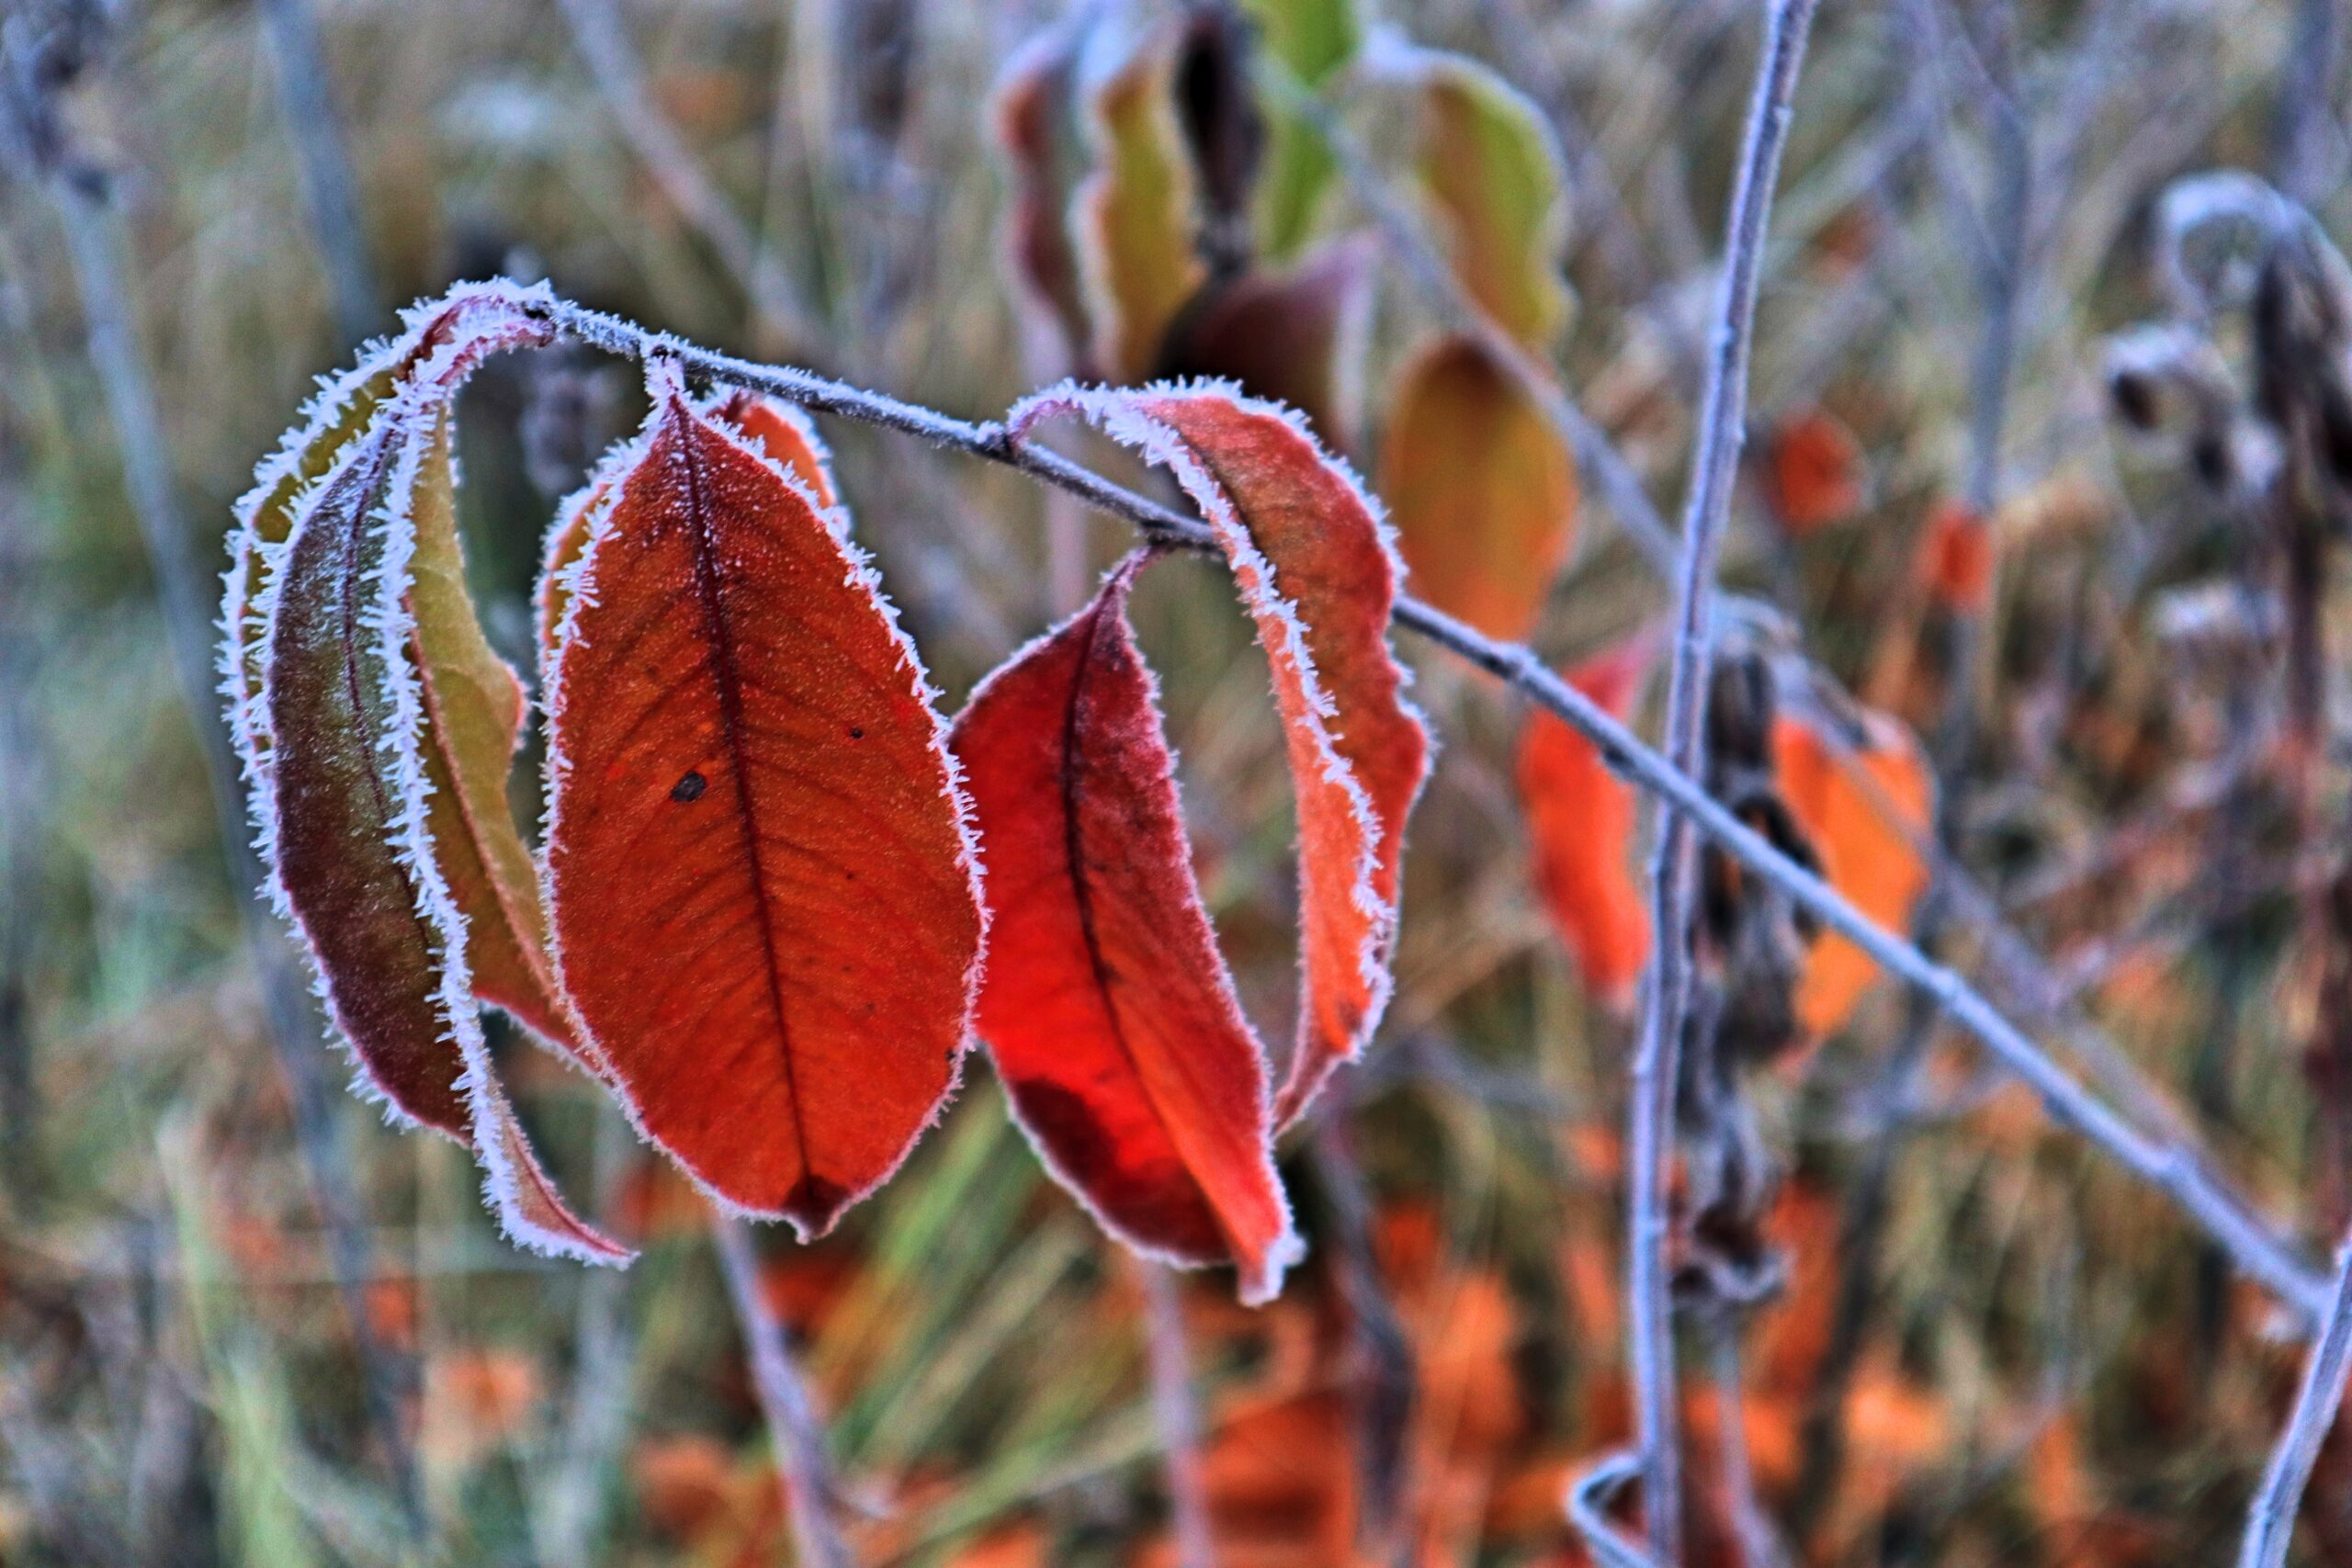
(1132, 217)
(766, 902)
(1311, 553)
(1289, 337)
(456, 331)
(1314, 40)
(355, 860)
(1105, 1004)
(1865, 812)
(473, 712)
(1580, 822)
(1816, 471)
(1032, 116)
(1491, 169)
(1481, 487)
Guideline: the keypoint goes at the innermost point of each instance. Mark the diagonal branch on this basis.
(2270, 1522)
(2256, 1246)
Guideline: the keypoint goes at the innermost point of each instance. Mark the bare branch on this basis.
(792, 1428)
(1723, 430)
(2270, 1523)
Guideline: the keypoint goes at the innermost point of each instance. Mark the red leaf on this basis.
(1955, 561)
(1580, 821)
(784, 431)
(343, 789)
(1033, 118)
(767, 903)
(1816, 472)
(1105, 1004)
(1311, 554)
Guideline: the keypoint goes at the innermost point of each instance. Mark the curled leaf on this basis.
(1481, 487)
(1311, 553)
(1865, 810)
(1133, 219)
(348, 790)
(1105, 1004)
(1580, 822)
(765, 898)
(1033, 118)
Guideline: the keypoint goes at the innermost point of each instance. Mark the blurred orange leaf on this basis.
(1481, 488)
(1816, 471)
(1580, 820)
(1864, 812)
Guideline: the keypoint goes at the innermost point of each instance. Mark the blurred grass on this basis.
(175, 1381)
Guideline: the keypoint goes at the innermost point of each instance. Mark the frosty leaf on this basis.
(782, 431)
(1311, 553)
(1290, 337)
(1134, 217)
(1105, 1004)
(1863, 812)
(474, 713)
(1481, 488)
(1580, 820)
(355, 861)
(765, 901)
(455, 332)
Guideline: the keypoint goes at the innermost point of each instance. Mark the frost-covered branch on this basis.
(1723, 431)
(2172, 1164)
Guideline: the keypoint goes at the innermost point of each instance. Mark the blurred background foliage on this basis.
(2050, 1369)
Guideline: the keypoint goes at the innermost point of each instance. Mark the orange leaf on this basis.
(1863, 815)
(1312, 558)
(784, 432)
(1483, 490)
(765, 899)
(1580, 821)
(1816, 472)
(1106, 1005)
(1955, 561)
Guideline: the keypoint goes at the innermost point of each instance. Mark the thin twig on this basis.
(599, 34)
(93, 243)
(2270, 1522)
(317, 136)
(1177, 1412)
(792, 1428)
(2261, 1249)
(1588, 1500)
(1723, 430)
(1759, 1542)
